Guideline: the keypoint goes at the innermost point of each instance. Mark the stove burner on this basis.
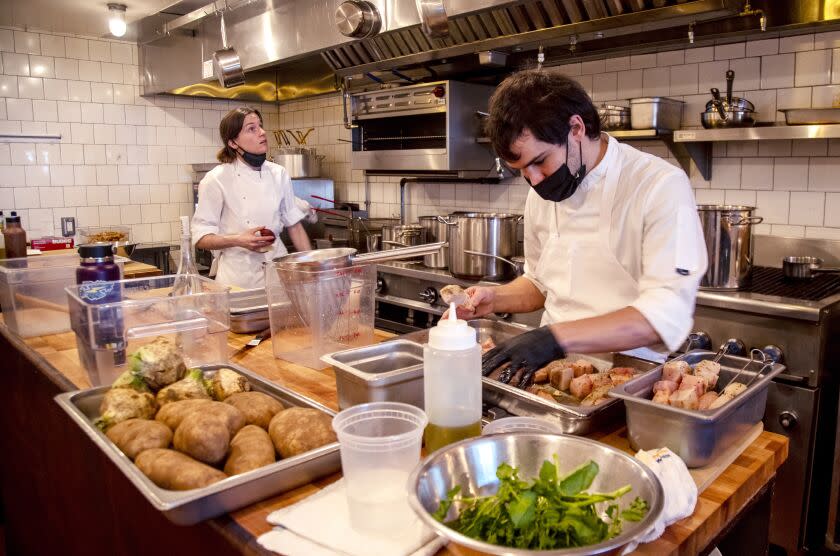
(771, 281)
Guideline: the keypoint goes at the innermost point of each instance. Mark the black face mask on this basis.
(253, 160)
(562, 184)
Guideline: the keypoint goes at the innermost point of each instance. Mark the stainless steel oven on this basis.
(429, 127)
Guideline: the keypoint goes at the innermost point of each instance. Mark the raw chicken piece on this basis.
(561, 377)
(707, 399)
(457, 295)
(581, 386)
(541, 375)
(691, 382)
(722, 400)
(620, 375)
(487, 345)
(597, 396)
(686, 398)
(667, 386)
(709, 365)
(662, 397)
(734, 389)
(601, 379)
(582, 367)
(674, 370)
(708, 377)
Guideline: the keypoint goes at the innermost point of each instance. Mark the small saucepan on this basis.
(799, 268)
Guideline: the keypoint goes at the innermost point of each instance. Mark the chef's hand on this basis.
(306, 208)
(481, 299)
(253, 242)
(529, 351)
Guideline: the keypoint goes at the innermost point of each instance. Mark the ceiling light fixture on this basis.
(116, 19)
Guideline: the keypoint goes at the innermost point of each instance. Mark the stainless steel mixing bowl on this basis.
(472, 464)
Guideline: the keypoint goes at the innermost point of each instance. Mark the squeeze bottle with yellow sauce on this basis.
(451, 382)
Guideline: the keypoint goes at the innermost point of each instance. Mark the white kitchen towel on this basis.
(320, 526)
(678, 487)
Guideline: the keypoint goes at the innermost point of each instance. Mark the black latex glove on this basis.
(529, 351)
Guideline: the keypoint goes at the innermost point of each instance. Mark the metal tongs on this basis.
(754, 358)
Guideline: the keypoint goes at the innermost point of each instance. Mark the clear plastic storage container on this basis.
(107, 332)
(315, 313)
(32, 293)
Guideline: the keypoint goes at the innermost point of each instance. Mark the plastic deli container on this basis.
(380, 447)
(32, 293)
(315, 313)
(521, 424)
(123, 315)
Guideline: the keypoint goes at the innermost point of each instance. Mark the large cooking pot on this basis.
(299, 162)
(403, 235)
(436, 230)
(728, 233)
(477, 240)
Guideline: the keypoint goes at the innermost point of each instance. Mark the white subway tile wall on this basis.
(122, 158)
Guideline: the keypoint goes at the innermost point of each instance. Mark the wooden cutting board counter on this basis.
(736, 487)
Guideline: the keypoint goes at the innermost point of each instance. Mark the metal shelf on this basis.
(701, 153)
(758, 133)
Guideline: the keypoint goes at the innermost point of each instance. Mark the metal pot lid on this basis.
(725, 208)
(487, 215)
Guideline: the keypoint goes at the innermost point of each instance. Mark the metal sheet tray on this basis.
(572, 419)
(192, 506)
(696, 436)
(811, 116)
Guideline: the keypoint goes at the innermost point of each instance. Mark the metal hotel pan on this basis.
(192, 506)
(248, 311)
(571, 418)
(696, 436)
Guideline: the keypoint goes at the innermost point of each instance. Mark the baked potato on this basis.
(257, 407)
(173, 413)
(298, 429)
(136, 435)
(176, 471)
(203, 436)
(251, 448)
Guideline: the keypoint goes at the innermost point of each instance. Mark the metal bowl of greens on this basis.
(525, 494)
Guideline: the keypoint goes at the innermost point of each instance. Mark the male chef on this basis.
(613, 245)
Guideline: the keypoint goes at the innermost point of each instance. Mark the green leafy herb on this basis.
(551, 512)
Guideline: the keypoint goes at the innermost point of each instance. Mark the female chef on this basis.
(244, 203)
(613, 245)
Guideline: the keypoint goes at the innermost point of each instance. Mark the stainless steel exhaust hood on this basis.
(293, 48)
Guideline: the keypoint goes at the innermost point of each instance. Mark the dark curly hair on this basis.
(542, 102)
(229, 128)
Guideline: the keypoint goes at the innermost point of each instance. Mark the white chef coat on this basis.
(234, 197)
(629, 236)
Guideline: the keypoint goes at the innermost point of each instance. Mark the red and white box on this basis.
(52, 243)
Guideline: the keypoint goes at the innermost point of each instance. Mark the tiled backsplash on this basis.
(122, 158)
(795, 185)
